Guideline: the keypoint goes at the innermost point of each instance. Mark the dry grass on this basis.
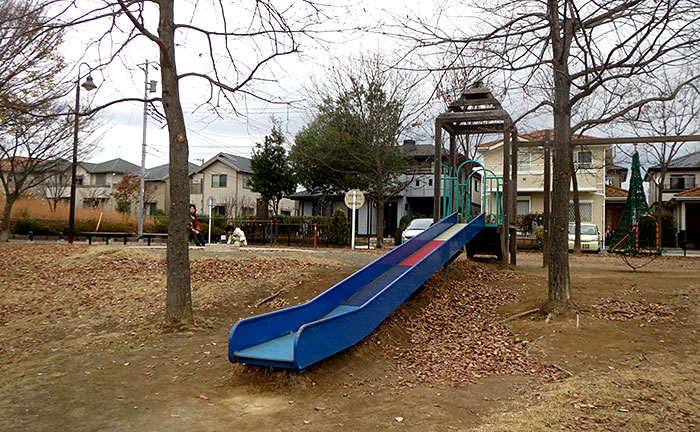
(36, 208)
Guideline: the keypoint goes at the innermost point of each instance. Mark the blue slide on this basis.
(342, 316)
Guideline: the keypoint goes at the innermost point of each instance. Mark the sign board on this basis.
(354, 199)
(211, 202)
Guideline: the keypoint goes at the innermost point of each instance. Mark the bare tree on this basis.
(553, 56)
(55, 186)
(233, 205)
(675, 117)
(238, 45)
(29, 58)
(31, 150)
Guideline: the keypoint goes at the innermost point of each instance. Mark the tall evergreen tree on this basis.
(272, 177)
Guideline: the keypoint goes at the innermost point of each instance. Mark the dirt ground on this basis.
(83, 348)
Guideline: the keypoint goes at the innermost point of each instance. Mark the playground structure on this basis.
(477, 111)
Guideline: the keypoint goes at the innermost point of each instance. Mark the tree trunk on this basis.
(5, 226)
(559, 299)
(658, 211)
(179, 296)
(577, 211)
(380, 220)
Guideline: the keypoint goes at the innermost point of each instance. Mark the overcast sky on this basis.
(121, 133)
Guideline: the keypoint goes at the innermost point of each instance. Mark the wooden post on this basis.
(506, 204)
(438, 167)
(453, 165)
(514, 197)
(547, 193)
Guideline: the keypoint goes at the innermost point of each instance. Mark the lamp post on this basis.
(87, 85)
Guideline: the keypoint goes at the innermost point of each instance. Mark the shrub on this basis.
(668, 229)
(339, 228)
(525, 222)
(53, 227)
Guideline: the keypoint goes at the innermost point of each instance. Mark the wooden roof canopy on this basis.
(475, 111)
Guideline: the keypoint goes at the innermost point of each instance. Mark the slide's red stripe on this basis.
(421, 253)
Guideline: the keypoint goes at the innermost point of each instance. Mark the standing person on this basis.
(195, 230)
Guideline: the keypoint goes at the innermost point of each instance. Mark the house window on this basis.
(430, 182)
(195, 188)
(586, 210)
(218, 180)
(682, 181)
(150, 208)
(246, 182)
(101, 179)
(78, 180)
(417, 182)
(218, 210)
(524, 160)
(477, 185)
(523, 207)
(583, 159)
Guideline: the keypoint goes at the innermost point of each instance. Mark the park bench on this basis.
(107, 236)
(150, 236)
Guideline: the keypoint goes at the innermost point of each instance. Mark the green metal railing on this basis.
(457, 196)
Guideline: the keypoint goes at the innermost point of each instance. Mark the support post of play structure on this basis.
(514, 196)
(547, 205)
(453, 167)
(437, 163)
(315, 234)
(505, 226)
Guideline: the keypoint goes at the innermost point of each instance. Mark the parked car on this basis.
(415, 227)
(590, 237)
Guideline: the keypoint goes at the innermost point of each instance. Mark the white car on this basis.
(590, 237)
(415, 227)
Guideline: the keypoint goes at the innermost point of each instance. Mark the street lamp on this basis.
(88, 85)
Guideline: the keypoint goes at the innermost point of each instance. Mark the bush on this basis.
(339, 228)
(525, 222)
(157, 225)
(53, 227)
(668, 229)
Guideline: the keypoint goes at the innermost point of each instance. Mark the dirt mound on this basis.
(453, 334)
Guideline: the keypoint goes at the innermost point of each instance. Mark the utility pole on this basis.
(148, 86)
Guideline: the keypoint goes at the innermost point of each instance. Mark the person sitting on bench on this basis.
(194, 229)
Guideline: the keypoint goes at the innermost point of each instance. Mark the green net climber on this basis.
(638, 232)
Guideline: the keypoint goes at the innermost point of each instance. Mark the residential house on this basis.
(95, 182)
(226, 179)
(615, 175)
(679, 194)
(157, 188)
(416, 199)
(615, 200)
(590, 165)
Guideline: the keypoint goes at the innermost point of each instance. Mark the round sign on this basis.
(211, 202)
(354, 199)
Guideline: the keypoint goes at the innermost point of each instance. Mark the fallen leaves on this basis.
(457, 339)
(57, 291)
(625, 310)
